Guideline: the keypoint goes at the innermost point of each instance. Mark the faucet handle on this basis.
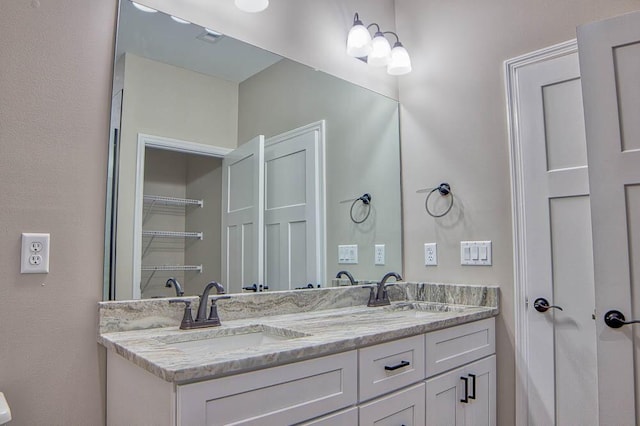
(214, 299)
(187, 318)
(372, 293)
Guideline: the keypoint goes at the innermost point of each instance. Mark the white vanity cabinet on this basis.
(418, 380)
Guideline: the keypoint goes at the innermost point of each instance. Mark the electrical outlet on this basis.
(430, 254)
(35, 254)
(379, 254)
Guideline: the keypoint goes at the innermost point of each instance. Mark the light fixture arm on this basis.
(395, 35)
(377, 26)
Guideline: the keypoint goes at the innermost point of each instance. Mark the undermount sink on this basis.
(418, 308)
(229, 339)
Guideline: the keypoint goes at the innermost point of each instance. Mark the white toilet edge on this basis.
(5, 411)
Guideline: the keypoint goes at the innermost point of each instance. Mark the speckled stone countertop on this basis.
(309, 324)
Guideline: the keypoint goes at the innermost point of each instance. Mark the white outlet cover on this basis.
(34, 253)
(379, 254)
(430, 254)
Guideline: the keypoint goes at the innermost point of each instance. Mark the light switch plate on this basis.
(475, 253)
(348, 254)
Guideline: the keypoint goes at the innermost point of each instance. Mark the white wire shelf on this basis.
(172, 234)
(155, 268)
(172, 201)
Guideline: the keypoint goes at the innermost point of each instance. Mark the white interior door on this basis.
(559, 350)
(293, 216)
(242, 216)
(610, 65)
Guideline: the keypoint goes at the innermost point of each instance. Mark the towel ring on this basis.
(366, 200)
(444, 189)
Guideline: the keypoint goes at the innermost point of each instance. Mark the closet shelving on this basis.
(152, 201)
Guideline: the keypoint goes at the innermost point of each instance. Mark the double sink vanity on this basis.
(315, 357)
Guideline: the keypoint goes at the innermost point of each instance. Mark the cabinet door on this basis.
(463, 397)
(276, 396)
(342, 418)
(401, 408)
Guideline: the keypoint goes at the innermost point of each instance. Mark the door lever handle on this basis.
(542, 305)
(616, 319)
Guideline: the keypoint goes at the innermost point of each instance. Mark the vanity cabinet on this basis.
(444, 377)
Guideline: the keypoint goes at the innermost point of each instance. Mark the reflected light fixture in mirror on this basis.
(377, 51)
(252, 6)
(143, 8)
(179, 20)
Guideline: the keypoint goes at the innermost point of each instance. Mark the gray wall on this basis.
(361, 147)
(55, 82)
(454, 129)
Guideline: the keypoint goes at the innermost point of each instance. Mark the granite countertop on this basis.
(303, 334)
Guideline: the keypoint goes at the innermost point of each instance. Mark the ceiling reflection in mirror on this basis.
(188, 103)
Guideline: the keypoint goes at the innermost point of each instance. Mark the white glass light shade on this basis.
(381, 51)
(252, 6)
(400, 63)
(358, 41)
(180, 21)
(143, 8)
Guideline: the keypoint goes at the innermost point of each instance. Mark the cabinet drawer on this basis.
(276, 396)
(390, 366)
(455, 346)
(406, 407)
(342, 418)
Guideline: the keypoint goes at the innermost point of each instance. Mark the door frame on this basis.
(511, 71)
(167, 144)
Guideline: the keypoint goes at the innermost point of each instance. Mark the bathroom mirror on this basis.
(188, 105)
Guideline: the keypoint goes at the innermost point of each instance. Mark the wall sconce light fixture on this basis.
(377, 51)
(252, 6)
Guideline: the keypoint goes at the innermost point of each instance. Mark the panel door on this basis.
(560, 350)
(406, 407)
(610, 66)
(293, 214)
(465, 396)
(242, 216)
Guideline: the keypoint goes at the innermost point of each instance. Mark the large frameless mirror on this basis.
(234, 164)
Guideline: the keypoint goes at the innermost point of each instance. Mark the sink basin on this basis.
(229, 339)
(418, 308)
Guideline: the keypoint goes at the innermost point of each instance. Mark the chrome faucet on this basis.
(201, 318)
(349, 276)
(379, 296)
(176, 285)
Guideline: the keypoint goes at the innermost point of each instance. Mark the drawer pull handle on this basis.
(466, 390)
(395, 367)
(473, 386)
